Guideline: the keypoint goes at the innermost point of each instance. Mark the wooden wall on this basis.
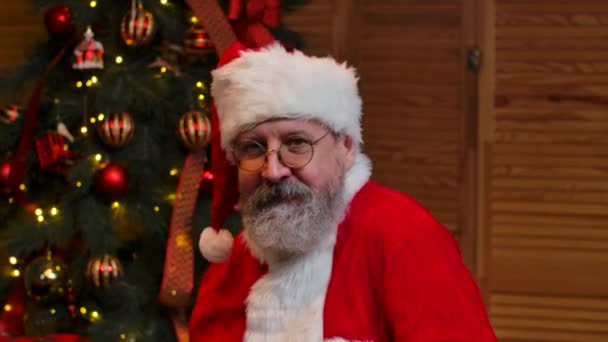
(20, 27)
(547, 175)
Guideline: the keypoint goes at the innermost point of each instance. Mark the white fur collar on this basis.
(287, 303)
(357, 176)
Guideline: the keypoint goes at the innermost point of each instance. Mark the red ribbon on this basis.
(250, 18)
(28, 130)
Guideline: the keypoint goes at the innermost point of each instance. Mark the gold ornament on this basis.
(46, 278)
(194, 130)
(103, 270)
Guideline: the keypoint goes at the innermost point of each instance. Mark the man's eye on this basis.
(297, 145)
(249, 149)
(297, 142)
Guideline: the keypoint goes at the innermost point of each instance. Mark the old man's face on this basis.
(291, 197)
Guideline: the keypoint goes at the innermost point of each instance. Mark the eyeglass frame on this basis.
(278, 152)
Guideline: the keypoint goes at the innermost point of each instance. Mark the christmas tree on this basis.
(105, 165)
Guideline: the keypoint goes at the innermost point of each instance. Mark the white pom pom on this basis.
(216, 246)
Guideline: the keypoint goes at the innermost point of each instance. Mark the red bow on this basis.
(251, 17)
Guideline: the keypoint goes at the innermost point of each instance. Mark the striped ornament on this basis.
(197, 39)
(138, 26)
(117, 129)
(194, 130)
(103, 270)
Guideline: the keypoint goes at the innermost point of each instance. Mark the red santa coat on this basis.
(396, 275)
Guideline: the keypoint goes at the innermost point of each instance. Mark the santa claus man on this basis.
(325, 254)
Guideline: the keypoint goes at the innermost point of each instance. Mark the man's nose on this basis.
(274, 170)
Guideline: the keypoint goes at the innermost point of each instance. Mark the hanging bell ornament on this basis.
(117, 129)
(194, 130)
(46, 279)
(138, 26)
(103, 270)
(9, 114)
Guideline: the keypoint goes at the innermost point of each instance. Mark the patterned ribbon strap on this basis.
(178, 276)
(213, 19)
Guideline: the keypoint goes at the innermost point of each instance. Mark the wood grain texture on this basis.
(20, 28)
(547, 211)
(410, 58)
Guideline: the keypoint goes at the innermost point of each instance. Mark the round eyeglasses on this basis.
(295, 152)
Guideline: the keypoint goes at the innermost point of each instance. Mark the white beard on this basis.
(277, 230)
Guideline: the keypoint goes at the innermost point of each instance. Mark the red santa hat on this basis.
(253, 86)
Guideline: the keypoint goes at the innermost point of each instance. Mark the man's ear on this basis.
(348, 149)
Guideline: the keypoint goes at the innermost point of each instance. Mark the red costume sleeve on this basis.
(429, 293)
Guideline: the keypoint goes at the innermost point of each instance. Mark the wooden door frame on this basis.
(486, 33)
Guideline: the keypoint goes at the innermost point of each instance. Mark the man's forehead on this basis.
(282, 125)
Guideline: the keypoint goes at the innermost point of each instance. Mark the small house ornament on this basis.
(89, 53)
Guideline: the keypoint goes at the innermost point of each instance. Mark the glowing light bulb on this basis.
(52, 311)
(7, 307)
(79, 84)
(15, 273)
(98, 157)
(115, 205)
(164, 2)
(201, 97)
(54, 211)
(163, 70)
(94, 79)
(38, 212)
(93, 4)
(10, 200)
(22, 187)
(78, 184)
(83, 310)
(157, 209)
(199, 84)
(100, 116)
(118, 59)
(40, 218)
(89, 83)
(84, 129)
(92, 120)
(194, 20)
(12, 260)
(173, 172)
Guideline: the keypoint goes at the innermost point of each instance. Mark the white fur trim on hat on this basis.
(216, 246)
(274, 83)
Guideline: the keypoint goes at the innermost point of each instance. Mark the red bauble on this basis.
(59, 21)
(5, 173)
(194, 130)
(111, 181)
